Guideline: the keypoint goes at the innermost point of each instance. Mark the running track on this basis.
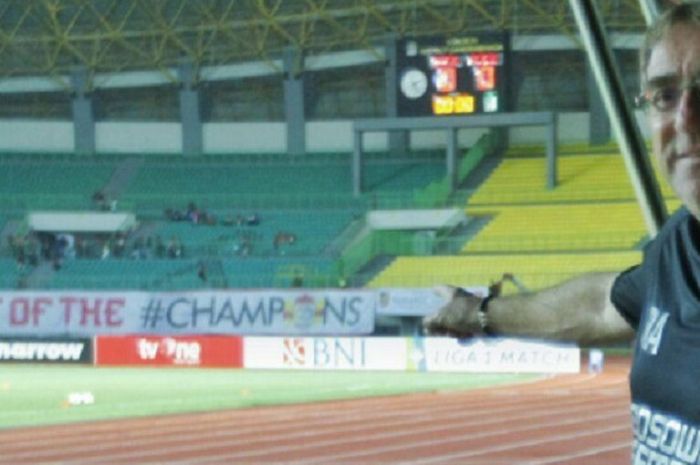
(572, 419)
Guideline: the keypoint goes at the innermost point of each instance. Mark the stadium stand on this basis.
(582, 178)
(274, 180)
(534, 270)
(574, 226)
(304, 214)
(124, 274)
(123, 124)
(262, 219)
(588, 222)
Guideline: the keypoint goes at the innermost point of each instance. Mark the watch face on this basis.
(414, 83)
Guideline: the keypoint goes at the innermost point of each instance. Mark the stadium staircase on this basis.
(122, 176)
(38, 277)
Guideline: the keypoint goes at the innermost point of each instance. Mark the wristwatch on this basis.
(483, 318)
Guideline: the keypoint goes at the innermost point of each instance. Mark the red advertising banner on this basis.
(201, 351)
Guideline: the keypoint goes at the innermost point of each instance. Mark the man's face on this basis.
(673, 64)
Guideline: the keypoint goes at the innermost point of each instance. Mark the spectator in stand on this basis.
(192, 213)
(173, 214)
(66, 242)
(174, 248)
(253, 220)
(298, 279)
(17, 243)
(106, 249)
(202, 272)
(140, 251)
(60, 244)
(46, 242)
(99, 200)
(208, 218)
(159, 247)
(281, 239)
(227, 220)
(246, 246)
(119, 248)
(32, 249)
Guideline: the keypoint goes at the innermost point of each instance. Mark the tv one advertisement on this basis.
(183, 351)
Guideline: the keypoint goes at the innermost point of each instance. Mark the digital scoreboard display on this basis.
(454, 76)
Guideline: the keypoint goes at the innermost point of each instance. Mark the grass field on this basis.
(38, 394)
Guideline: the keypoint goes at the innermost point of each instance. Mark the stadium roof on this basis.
(53, 37)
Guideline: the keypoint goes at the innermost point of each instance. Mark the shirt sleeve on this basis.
(627, 294)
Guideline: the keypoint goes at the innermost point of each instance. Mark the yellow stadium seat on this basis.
(590, 222)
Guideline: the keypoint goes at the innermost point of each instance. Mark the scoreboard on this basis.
(453, 76)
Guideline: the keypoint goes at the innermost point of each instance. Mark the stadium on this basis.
(222, 223)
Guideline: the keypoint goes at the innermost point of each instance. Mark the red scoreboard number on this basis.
(448, 99)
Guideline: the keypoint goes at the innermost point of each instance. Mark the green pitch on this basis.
(39, 394)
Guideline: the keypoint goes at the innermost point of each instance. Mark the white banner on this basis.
(414, 302)
(495, 355)
(325, 353)
(294, 312)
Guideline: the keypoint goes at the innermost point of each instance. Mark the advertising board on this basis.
(45, 350)
(496, 355)
(153, 350)
(326, 353)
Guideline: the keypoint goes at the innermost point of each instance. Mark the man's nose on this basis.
(688, 111)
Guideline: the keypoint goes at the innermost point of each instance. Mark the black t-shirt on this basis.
(661, 299)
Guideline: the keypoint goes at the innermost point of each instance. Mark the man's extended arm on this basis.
(578, 310)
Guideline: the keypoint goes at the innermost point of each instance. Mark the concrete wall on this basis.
(331, 136)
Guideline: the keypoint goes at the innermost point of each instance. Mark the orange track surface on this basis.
(568, 419)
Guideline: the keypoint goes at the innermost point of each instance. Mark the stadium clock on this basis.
(414, 83)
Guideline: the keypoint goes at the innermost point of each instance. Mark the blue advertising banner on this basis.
(280, 312)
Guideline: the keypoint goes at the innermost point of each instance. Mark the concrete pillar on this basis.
(294, 103)
(599, 122)
(399, 141)
(190, 110)
(83, 113)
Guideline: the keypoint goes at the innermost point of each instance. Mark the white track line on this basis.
(451, 438)
(496, 396)
(175, 424)
(12, 436)
(325, 419)
(404, 429)
(457, 457)
(292, 412)
(308, 432)
(564, 459)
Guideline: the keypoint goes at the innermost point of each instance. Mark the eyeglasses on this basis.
(664, 98)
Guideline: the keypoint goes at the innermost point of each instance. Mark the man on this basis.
(659, 299)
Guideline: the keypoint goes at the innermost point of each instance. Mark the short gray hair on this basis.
(683, 13)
